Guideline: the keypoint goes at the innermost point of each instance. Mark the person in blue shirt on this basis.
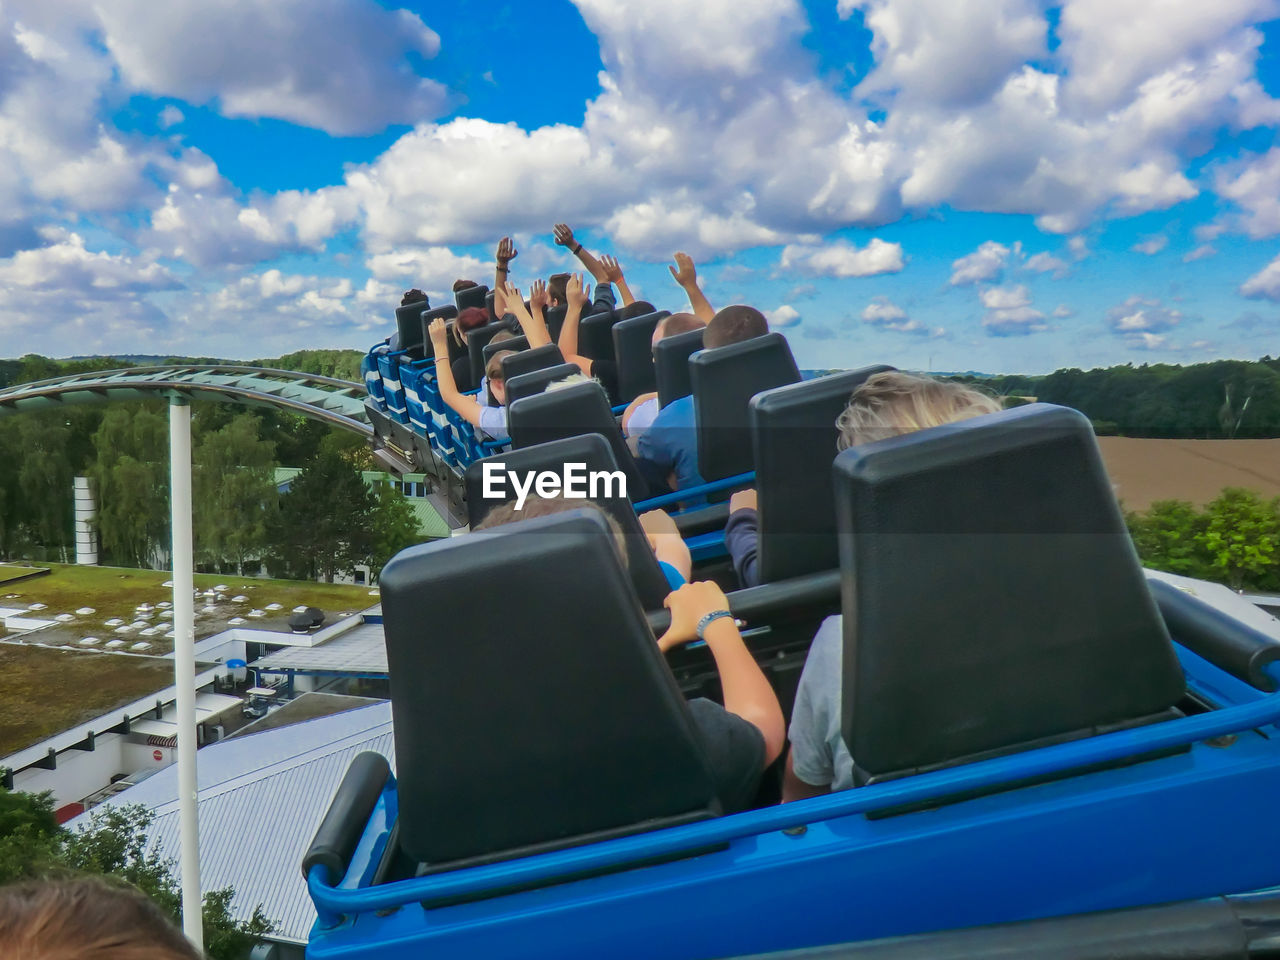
(669, 448)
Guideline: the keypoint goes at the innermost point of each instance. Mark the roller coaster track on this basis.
(332, 401)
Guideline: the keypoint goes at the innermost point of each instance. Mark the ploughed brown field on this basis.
(1145, 471)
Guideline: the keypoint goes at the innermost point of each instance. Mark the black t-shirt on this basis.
(735, 751)
(462, 374)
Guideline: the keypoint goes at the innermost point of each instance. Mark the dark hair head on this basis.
(471, 318)
(733, 325)
(86, 918)
(556, 285)
(414, 296)
(463, 285)
(678, 323)
(535, 506)
(637, 308)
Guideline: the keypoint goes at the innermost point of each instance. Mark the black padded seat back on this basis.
(992, 597)
(471, 297)
(633, 346)
(793, 436)
(477, 340)
(724, 380)
(519, 728)
(527, 384)
(572, 411)
(488, 305)
(456, 349)
(595, 334)
(554, 319)
(671, 364)
(592, 452)
(446, 313)
(409, 328)
(526, 361)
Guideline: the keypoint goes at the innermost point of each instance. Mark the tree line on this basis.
(328, 522)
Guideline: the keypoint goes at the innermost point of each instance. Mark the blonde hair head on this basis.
(892, 403)
(569, 381)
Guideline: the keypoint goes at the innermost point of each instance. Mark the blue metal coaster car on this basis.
(984, 815)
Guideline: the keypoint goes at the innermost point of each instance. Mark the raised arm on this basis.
(613, 271)
(505, 254)
(535, 329)
(576, 296)
(747, 692)
(464, 406)
(564, 237)
(687, 277)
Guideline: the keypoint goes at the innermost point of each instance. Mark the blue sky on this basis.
(998, 185)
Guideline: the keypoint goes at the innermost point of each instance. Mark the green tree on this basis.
(234, 493)
(132, 470)
(393, 525)
(1242, 536)
(44, 482)
(1168, 537)
(323, 525)
(114, 844)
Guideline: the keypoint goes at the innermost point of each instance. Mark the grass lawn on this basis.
(116, 592)
(11, 571)
(43, 692)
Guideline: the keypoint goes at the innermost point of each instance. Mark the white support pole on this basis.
(184, 661)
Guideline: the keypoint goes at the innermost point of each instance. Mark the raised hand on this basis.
(439, 337)
(686, 274)
(612, 269)
(506, 251)
(538, 296)
(564, 235)
(688, 605)
(576, 293)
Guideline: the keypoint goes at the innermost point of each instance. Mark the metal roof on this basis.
(361, 649)
(261, 799)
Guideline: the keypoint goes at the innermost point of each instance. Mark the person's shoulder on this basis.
(676, 413)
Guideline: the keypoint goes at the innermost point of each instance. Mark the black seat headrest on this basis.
(590, 454)
(470, 297)
(409, 329)
(554, 318)
(992, 595)
(488, 305)
(447, 312)
(793, 436)
(477, 340)
(519, 729)
(671, 364)
(572, 411)
(526, 361)
(595, 334)
(724, 381)
(633, 346)
(511, 343)
(527, 384)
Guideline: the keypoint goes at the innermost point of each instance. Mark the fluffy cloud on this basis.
(887, 315)
(1253, 184)
(1265, 284)
(1199, 253)
(784, 316)
(1142, 322)
(1062, 311)
(432, 267)
(984, 264)
(1009, 312)
(342, 66)
(843, 259)
(1047, 263)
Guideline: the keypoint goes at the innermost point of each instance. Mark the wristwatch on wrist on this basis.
(710, 618)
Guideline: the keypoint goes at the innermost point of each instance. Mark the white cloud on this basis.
(343, 66)
(1199, 253)
(1047, 263)
(1151, 245)
(1009, 312)
(1079, 247)
(432, 268)
(1142, 322)
(1265, 284)
(887, 315)
(1253, 184)
(1062, 311)
(170, 116)
(843, 259)
(784, 316)
(984, 264)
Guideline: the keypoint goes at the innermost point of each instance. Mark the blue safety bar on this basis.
(332, 902)
(727, 483)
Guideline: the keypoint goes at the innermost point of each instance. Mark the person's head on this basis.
(892, 403)
(413, 296)
(535, 506)
(636, 308)
(571, 380)
(468, 320)
(556, 288)
(463, 285)
(86, 918)
(733, 325)
(674, 324)
(497, 379)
